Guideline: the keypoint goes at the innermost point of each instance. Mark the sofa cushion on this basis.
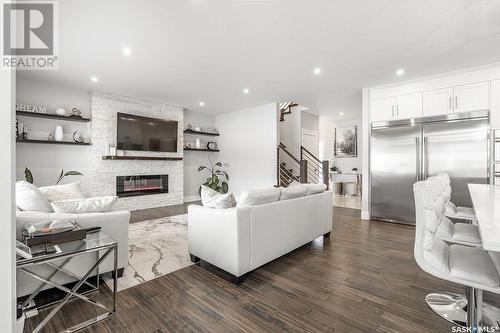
(29, 197)
(258, 197)
(292, 192)
(214, 199)
(311, 187)
(63, 192)
(88, 205)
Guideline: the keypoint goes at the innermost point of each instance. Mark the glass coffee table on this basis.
(97, 242)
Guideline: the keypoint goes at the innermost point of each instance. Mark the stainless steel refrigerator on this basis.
(403, 152)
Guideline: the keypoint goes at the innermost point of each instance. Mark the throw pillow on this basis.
(258, 197)
(214, 199)
(89, 205)
(30, 198)
(292, 192)
(63, 192)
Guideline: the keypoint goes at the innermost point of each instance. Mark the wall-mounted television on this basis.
(146, 134)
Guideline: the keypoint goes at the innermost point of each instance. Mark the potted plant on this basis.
(218, 178)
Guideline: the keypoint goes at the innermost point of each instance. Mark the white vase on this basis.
(60, 112)
(58, 133)
(197, 144)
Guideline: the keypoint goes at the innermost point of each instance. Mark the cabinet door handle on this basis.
(449, 102)
(456, 102)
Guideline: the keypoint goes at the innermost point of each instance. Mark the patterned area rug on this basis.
(156, 247)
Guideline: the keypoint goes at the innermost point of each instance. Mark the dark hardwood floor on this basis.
(362, 279)
(155, 213)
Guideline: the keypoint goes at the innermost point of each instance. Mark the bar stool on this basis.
(456, 233)
(468, 266)
(452, 211)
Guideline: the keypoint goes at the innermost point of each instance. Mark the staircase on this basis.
(286, 108)
(307, 169)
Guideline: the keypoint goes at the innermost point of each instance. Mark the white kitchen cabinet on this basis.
(495, 104)
(382, 109)
(409, 106)
(471, 97)
(437, 102)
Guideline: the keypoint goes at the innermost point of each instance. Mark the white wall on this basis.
(7, 205)
(193, 159)
(248, 144)
(46, 161)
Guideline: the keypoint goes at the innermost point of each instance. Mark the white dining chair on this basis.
(468, 266)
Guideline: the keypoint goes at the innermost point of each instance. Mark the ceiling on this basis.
(188, 51)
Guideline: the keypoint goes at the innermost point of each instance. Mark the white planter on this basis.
(58, 133)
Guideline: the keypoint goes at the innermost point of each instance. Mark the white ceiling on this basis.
(187, 51)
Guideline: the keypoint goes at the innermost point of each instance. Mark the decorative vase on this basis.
(198, 144)
(60, 112)
(58, 133)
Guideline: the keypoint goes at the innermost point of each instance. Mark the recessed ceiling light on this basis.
(202, 103)
(400, 72)
(341, 113)
(317, 71)
(94, 79)
(246, 91)
(127, 51)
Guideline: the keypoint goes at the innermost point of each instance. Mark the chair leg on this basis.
(474, 304)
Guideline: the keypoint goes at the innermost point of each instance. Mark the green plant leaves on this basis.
(201, 168)
(218, 178)
(28, 176)
(219, 164)
(225, 187)
(69, 173)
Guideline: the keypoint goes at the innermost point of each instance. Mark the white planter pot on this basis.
(58, 133)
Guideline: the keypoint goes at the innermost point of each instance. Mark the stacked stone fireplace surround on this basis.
(104, 108)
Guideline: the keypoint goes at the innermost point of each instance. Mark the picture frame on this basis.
(346, 142)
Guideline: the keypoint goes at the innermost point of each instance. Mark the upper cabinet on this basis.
(382, 109)
(471, 97)
(399, 107)
(464, 98)
(436, 102)
(409, 106)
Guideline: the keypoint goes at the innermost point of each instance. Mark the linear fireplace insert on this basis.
(129, 186)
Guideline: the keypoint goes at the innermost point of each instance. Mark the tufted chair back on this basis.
(431, 252)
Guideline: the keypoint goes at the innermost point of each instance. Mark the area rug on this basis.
(155, 248)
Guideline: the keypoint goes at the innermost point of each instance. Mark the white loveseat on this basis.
(113, 223)
(240, 239)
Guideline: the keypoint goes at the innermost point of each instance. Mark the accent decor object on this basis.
(60, 112)
(346, 141)
(78, 138)
(31, 108)
(198, 144)
(76, 113)
(212, 145)
(58, 133)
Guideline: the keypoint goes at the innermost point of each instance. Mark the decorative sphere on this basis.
(60, 112)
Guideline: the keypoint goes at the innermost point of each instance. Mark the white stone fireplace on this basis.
(104, 173)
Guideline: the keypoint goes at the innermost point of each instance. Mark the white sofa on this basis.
(113, 223)
(240, 239)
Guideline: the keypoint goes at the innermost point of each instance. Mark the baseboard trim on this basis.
(192, 198)
(365, 215)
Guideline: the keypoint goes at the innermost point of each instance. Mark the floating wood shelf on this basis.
(188, 131)
(53, 142)
(145, 158)
(50, 116)
(201, 149)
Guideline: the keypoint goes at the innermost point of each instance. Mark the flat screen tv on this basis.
(146, 134)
